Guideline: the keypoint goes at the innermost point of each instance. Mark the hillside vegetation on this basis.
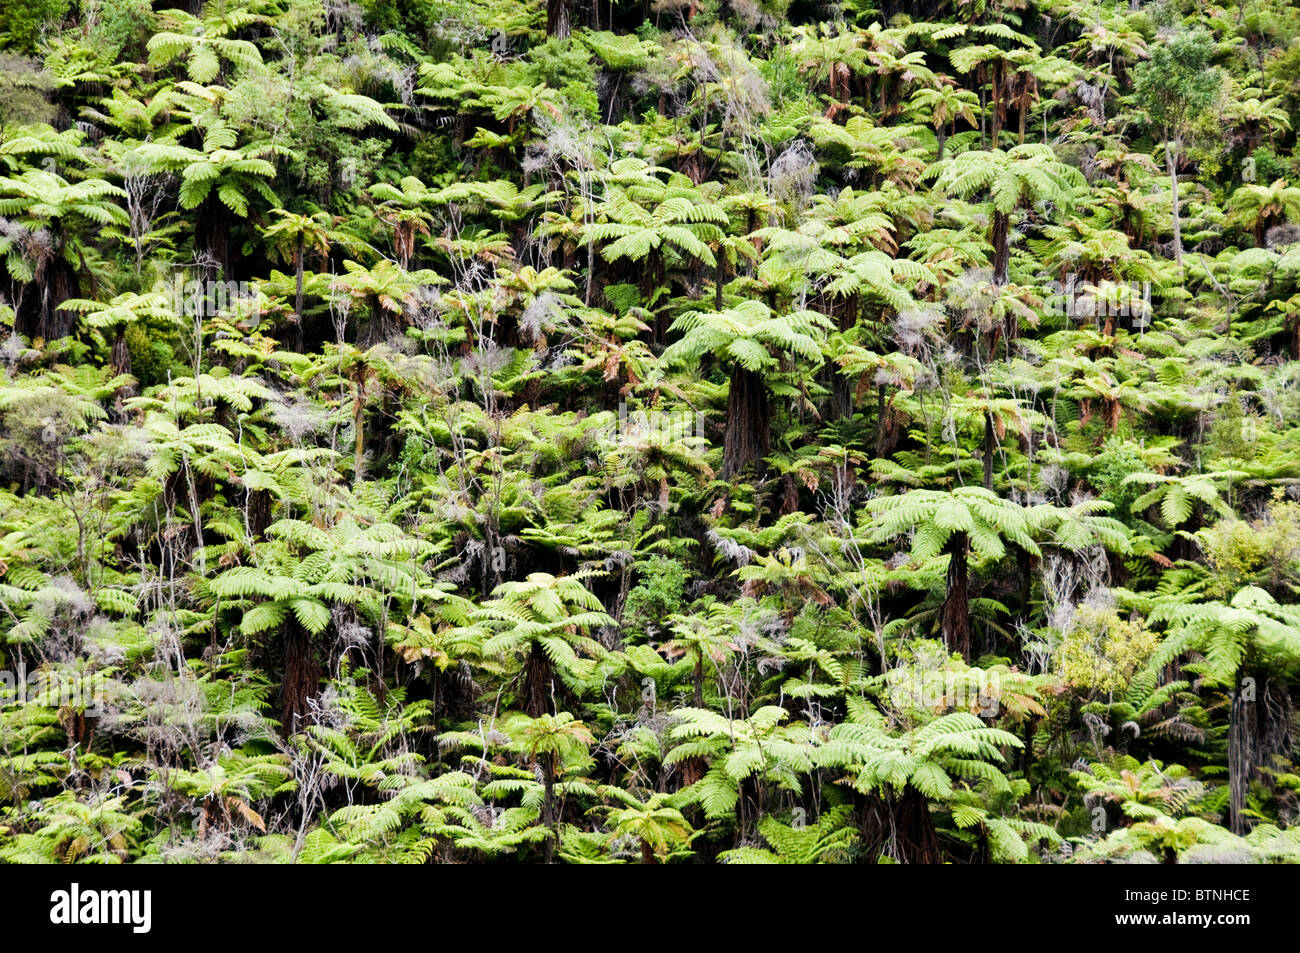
(723, 431)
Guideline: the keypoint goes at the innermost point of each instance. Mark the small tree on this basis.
(119, 314)
(954, 522)
(1176, 86)
(552, 740)
(54, 220)
(1019, 177)
(291, 236)
(1260, 207)
(1248, 637)
(547, 619)
(750, 339)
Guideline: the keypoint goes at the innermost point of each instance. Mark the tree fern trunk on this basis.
(381, 326)
(359, 433)
(1027, 752)
(558, 22)
(121, 358)
(842, 389)
(259, 513)
(1243, 746)
(954, 616)
(537, 683)
(44, 319)
(841, 395)
(918, 841)
(549, 819)
(1001, 241)
(899, 825)
(301, 675)
(212, 235)
(748, 435)
(883, 442)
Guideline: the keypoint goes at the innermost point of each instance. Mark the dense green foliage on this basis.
(709, 430)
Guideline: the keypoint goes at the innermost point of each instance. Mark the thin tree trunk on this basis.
(1172, 165)
(997, 97)
(884, 427)
(653, 269)
(1024, 567)
(990, 447)
(297, 296)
